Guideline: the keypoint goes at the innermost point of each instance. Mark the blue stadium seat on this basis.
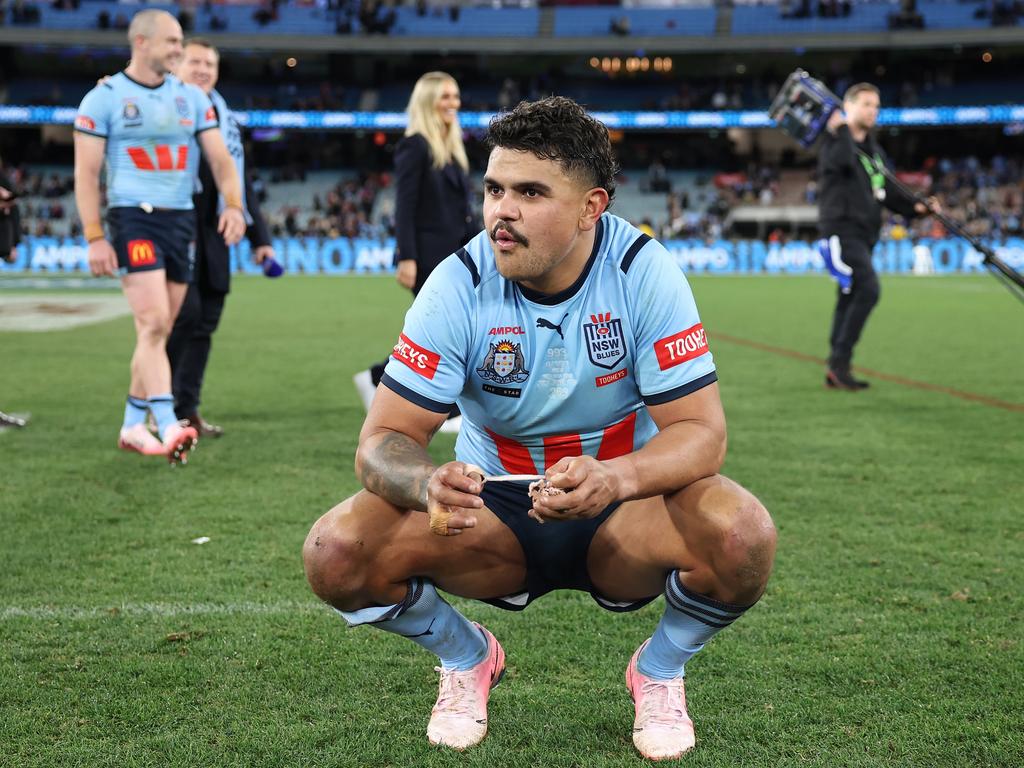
(643, 22)
(766, 20)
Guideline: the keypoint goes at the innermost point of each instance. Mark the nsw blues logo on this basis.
(606, 346)
(182, 104)
(504, 363)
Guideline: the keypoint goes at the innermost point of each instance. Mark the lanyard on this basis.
(874, 171)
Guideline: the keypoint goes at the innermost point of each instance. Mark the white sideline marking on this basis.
(170, 610)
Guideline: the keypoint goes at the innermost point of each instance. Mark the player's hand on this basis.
(102, 259)
(453, 493)
(262, 253)
(590, 486)
(835, 120)
(11, 257)
(231, 225)
(931, 205)
(103, 80)
(405, 274)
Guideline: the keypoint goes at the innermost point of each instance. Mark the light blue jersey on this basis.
(538, 378)
(149, 133)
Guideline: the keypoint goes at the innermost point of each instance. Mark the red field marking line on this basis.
(913, 383)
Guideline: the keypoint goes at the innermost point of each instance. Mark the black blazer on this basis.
(10, 222)
(433, 218)
(213, 260)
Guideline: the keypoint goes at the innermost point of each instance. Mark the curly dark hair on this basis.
(559, 129)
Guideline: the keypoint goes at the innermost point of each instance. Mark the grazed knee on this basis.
(745, 559)
(335, 559)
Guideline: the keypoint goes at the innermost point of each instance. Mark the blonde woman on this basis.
(433, 217)
(432, 213)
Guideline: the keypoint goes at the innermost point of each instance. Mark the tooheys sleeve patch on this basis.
(422, 361)
(685, 345)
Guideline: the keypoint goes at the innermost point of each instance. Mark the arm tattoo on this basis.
(398, 469)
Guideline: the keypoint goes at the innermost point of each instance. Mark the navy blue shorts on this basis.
(556, 551)
(162, 239)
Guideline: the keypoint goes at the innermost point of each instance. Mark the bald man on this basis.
(141, 123)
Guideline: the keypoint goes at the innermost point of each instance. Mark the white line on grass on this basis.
(75, 613)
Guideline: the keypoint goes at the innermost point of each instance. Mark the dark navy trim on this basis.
(709, 602)
(557, 298)
(634, 605)
(466, 259)
(702, 619)
(414, 397)
(691, 608)
(207, 128)
(687, 389)
(90, 133)
(634, 249)
(143, 85)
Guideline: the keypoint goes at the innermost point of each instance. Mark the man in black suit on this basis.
(10, 236)
(189, 345)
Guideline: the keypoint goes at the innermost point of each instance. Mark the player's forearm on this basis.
(87, 199)
(226, 176)
(677, 456)
(395, 467)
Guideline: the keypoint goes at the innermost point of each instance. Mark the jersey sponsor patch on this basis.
(606, 345)
(141, 253)
(504, 363)
(420, 360)
(211, 115)
(85, 123)
(505, 330)
(512, 392)
(683, 346)
(610, 378)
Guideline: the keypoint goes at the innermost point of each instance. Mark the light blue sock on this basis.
(430, 622)
(135, 410)
(162, 408)
(689, 621)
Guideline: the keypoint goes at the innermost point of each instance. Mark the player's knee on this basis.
(748, 550)
(154, 327)
(334, 560)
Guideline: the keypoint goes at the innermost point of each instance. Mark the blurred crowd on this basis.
(987, 196)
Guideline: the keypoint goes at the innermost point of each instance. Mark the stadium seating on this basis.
(642, 22)
(767, 20)
(952, 14)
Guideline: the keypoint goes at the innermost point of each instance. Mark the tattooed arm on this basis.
(394, 466)
(392, 460)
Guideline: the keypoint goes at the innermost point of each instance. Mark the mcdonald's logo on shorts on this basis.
(141, 253)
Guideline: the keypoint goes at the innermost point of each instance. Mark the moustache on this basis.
(501, 226)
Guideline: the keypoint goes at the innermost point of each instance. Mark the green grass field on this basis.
(890, 633)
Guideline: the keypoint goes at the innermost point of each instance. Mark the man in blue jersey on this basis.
(589, 454)
(141, 122)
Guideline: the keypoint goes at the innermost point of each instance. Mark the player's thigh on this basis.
(147, 296)
(369, 541)
(692, 530)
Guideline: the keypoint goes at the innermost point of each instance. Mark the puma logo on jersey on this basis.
(542, 323)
